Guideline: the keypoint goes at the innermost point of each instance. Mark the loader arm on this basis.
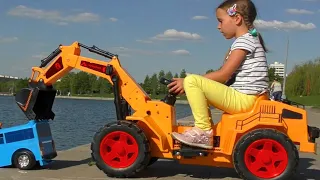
(36, 100)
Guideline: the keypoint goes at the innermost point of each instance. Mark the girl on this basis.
(233, 88)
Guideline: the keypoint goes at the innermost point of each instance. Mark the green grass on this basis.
(307, 100)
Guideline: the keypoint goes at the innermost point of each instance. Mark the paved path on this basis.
(73, 165)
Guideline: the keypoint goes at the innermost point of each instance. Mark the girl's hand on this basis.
(176, 86)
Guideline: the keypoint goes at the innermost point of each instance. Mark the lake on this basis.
(76, 120)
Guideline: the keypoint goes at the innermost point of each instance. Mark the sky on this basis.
(149, 35)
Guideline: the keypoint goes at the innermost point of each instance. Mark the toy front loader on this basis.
(259, 144)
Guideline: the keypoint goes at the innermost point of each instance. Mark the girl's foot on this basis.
(195, 137)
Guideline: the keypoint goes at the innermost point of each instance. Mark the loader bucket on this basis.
(36, 102)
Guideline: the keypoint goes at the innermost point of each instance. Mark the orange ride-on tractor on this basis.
(259, 144)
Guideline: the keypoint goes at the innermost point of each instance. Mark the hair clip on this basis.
(253, 32)
(232, 10)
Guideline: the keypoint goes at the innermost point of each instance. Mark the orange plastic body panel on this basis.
(158, 120)
(265, 114)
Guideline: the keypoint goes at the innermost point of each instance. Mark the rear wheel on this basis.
(24, 160)
(120, 149)
(265, 154)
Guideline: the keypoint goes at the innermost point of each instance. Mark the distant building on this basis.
(279, 68)
(8, 77)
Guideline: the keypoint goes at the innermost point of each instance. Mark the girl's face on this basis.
(227, 25)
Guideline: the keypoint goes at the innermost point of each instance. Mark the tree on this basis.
(105, 86)
(209, 71)
(147, 84)
(64, 86)
(92, 81)
(154, 84)
(162, 88)
(271, 73)
(183, 73)
(169, 75)
(20, 83)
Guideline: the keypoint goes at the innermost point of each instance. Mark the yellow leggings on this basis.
(202, 92)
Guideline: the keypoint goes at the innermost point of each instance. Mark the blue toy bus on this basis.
(27, 145)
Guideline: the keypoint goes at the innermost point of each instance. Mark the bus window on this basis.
(1, 139)
(19, 135)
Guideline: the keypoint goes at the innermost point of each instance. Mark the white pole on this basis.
(285, 71)
(285, 65)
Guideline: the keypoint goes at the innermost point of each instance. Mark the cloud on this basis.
(290, 25)
(113, 19)
(144, 41)
(181, 52)
(299, 11)
(172, 34)
(199, 17)
(124, 51)
(53, 16)
(62, 23)
(8, 39)
(82, 17)
(40, 56)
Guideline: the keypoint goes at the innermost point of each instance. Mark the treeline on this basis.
(303, 80)
(82, 83)
(12, 85)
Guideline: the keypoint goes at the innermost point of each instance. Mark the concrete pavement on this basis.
(72, 164)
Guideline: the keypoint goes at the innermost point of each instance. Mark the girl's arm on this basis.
(229, 67)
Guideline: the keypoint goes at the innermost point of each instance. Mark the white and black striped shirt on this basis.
(252, 75)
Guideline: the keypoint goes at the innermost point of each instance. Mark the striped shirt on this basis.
(252, 75)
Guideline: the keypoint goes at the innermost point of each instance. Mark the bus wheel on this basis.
(24, 160)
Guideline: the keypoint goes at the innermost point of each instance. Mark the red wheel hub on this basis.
(266, 158)
(119, 149)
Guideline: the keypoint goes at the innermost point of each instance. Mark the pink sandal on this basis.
(195, 137)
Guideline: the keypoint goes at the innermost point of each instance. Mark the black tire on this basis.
(138, 158)
(24, 155)
(152, 160)
(284, 167)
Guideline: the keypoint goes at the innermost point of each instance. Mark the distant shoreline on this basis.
(2, 94)
(97, 98)
(108, 99)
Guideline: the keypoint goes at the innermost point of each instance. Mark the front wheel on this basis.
(120, 149)
(265, 154)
